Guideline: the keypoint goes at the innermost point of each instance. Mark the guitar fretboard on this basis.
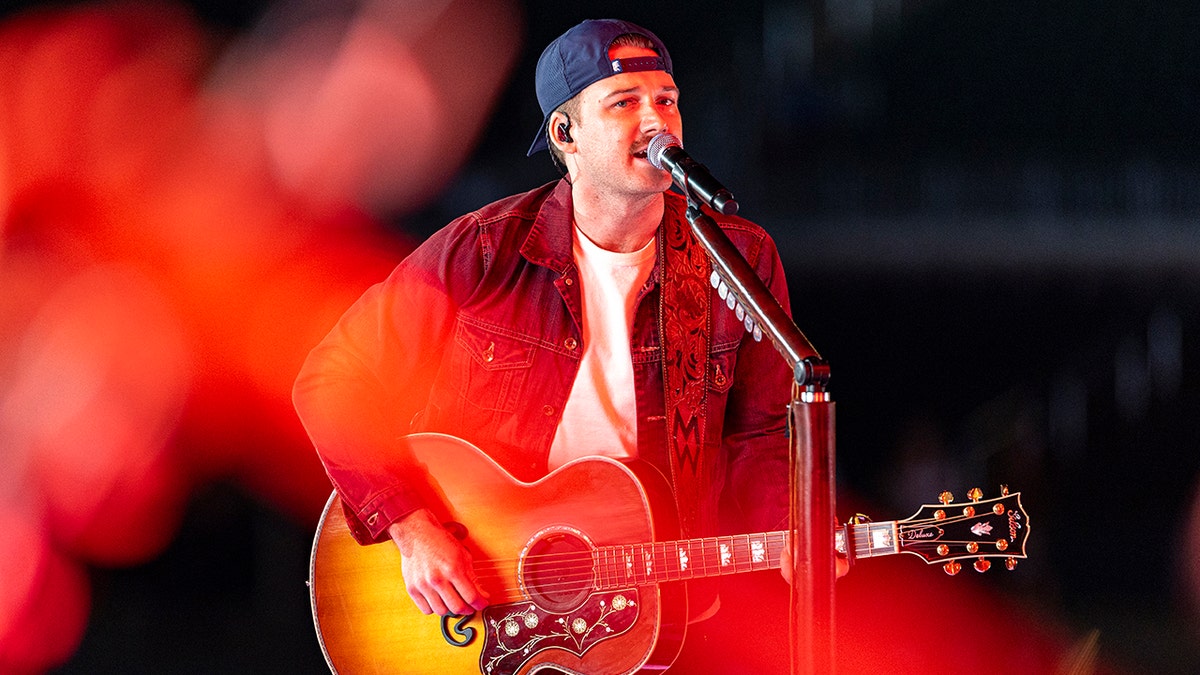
(688, 558)
(872, 539)
(634, 564)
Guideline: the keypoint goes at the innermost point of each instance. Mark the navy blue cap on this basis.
(579, 57)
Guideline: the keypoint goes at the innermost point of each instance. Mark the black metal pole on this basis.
(812, 526)
(811, 420)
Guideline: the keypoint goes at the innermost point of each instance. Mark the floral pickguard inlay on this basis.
(515, 632)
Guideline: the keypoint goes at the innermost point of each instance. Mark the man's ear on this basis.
(560, 132)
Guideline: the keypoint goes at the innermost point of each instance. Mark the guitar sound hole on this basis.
(558, 572)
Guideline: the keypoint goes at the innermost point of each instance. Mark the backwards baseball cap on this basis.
(579, 57)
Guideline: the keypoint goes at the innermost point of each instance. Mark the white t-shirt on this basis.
(600, 417)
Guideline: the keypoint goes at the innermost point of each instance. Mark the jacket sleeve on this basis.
(362, 385)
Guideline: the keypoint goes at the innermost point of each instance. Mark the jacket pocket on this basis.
(492, 366)
(720, 368)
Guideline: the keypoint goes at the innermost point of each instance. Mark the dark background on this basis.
(987, 213)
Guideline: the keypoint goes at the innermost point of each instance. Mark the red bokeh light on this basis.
(182, 220)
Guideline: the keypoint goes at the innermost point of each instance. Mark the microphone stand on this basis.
(811, 427)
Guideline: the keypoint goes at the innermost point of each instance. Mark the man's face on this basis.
(617, 118)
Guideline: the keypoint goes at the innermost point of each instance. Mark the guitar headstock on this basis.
(978, 529)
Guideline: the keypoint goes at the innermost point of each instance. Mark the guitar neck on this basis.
(713, 556)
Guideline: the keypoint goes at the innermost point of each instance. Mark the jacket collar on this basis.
(549, 240)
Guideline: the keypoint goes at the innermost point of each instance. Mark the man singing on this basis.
(570, 321)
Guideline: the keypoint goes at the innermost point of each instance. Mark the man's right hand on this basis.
(437, 569)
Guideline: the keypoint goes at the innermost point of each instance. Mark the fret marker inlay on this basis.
(881, 538)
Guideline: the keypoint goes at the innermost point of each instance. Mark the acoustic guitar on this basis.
(581, 567)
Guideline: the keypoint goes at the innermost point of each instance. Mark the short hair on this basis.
(571, 107)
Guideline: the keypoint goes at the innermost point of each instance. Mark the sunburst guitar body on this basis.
(583, 569)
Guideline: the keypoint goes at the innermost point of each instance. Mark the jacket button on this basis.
(571, 343)
(568, 281)
(547, 410)
(719, 378)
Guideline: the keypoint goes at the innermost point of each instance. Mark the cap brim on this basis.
(539, 142)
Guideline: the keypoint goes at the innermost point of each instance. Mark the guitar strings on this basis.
(592, 567)
(610, 566)
(606, 566)
(658, 551)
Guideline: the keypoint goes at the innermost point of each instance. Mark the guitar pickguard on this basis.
(514, 633)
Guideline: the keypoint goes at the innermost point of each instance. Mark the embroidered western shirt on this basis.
(477, 334)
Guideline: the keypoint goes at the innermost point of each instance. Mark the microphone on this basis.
(666, 152)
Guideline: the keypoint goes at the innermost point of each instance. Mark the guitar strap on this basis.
(684, 328)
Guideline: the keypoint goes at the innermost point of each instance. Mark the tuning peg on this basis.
(982, 565)
(974, 494)
(953, 567)
(1010, 563)
(1003, 490)
(946, 497)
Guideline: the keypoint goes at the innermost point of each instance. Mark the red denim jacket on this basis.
(477, 334)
